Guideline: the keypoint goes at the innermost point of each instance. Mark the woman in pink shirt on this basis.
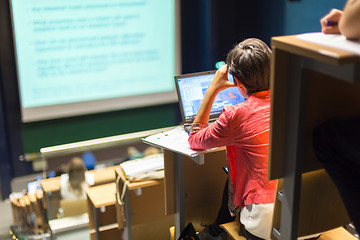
(244, 130)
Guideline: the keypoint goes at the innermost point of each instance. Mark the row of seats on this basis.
(29, 212)
(101, 212)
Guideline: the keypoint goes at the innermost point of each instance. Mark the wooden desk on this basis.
(51, 188)
(144, 209)
(193, 188)
(188, 183)
(102, 213)
(50, 184)
(309, 84)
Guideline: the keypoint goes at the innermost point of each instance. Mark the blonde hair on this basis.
(76, 172)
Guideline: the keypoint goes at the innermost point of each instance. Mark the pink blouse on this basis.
(244, 130)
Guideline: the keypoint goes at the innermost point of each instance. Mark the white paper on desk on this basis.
(332, 40)
(133, 168)
(175, 140)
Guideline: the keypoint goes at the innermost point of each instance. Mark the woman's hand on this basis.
(220, 81)
(329, 23)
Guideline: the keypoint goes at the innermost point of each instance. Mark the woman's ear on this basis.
(241, 88)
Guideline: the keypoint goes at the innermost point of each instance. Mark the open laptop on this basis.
(191, 89)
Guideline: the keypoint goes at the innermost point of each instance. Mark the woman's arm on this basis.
(220, 82)
(349, 24)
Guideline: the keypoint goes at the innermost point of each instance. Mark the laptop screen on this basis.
(191, 89)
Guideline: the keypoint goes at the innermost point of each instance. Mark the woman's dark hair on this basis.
(249, 62)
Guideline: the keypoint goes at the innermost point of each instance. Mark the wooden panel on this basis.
(312, 50)
(157, 229)
(278, 85)
(103, 199)
(148, 206)
(147, 209)
(233, 229)
(73, 207)
(107, 233)
(204, 185)
(105, 175)
(321, 207)
(107, 215)
(327, 97)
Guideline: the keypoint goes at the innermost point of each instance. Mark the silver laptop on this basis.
(191, 89)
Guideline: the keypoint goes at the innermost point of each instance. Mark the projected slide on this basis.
(80, 50)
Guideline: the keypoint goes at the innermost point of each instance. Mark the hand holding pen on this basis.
(329, 23)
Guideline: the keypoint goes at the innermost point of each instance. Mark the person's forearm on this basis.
(350, 20)
(220, 82)
(204, 112)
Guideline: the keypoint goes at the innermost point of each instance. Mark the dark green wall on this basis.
(60, 131)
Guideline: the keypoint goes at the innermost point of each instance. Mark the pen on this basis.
(330, 23)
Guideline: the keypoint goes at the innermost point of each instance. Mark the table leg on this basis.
(293, 156)
(179, 194)
(96, 222)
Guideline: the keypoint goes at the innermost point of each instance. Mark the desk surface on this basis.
(100, 176)
(176, 140)
(312, 50)
(103, 195)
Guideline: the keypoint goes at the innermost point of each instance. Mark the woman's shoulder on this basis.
(89, 178)
(64, 179)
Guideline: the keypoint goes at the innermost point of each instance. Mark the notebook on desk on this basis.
(191, 89)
